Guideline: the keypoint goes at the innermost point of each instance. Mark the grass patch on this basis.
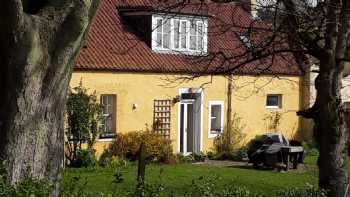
(178, 178)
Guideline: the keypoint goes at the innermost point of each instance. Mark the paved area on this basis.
(302, 168)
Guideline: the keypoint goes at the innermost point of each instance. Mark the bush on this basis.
(232, 137)
(84, 158)
(104, 159)
(127, 145)
(199, 157)
(185, 159)
(83, 114)
(210, 155)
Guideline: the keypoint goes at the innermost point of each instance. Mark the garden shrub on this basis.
(127, 145)
(84, 158)
(185, 158)
(232, 137)
(199, 157)
(83, 114)
(210, 155)
(108, 160)
(104, 158)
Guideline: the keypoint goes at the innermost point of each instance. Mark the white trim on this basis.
(272, 107)
(106, 140)
(187, 90)
(221, 103)
(280, 102)
(202, 107)
(180, 50)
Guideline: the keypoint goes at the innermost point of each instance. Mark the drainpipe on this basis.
(229, 108)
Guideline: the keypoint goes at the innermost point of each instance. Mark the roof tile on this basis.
(111, 46)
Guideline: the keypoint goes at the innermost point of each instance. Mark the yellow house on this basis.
(164, 67)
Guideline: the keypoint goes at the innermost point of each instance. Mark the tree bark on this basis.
(331, 132)
(37, 53)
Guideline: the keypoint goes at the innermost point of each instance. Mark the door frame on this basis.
(190, 90)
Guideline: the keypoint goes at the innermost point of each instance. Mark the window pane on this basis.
(166, 33)
(104, 102)
(110, 109)
(159, 25)
(193, 36)
(159, 32)
(272, 100)
(109, 124)
(108, 104)
(200, 36)
(215, 118)
(183, 34)
(176, 33)
(110, 99)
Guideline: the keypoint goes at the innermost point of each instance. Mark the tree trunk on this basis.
(37, 53)
(331, 132)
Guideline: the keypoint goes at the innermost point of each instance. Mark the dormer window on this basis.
(179, 34)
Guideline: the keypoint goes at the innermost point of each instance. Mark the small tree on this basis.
(83, 115)
(230, 140)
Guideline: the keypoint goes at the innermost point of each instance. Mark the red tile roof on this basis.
(111, 46)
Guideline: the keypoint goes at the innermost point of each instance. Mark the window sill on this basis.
(213, 135)
(106, 140)
(273, 107)
(179, 51)
(107, 137)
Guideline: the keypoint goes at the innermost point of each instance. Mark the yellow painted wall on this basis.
(249, 100)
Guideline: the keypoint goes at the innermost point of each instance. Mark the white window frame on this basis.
(113, 106)
(204, 34)
(211, 134)
(181, 19)
(278, 106)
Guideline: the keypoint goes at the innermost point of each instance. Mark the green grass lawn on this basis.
(177, 177)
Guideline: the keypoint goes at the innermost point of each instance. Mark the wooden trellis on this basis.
(162, 117)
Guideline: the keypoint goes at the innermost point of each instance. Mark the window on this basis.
(176, 34)
(216, 117)
(179, 34)
(163, 33)
(200, 35)
(166, 33)
(274, 101)
(159, 32)
(107, 125)
(193, 36)
(183, 34)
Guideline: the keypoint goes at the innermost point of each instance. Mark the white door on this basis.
(187, 131)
